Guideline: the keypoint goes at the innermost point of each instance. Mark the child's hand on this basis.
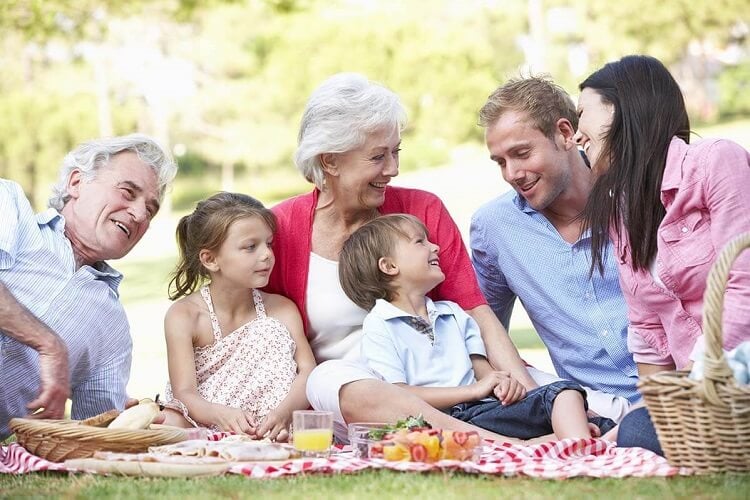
(594, 430)
(486, 385)
(275, 426)
(233, 420)
(509, 390)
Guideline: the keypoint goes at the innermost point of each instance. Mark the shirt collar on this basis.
(675, 155)
(522, 204)
(388, 311)
(101, 270)
(51, 218)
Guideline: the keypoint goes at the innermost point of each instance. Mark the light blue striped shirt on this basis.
(583, 322)
(82, 306)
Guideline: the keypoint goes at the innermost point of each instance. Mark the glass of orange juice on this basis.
(312, 432)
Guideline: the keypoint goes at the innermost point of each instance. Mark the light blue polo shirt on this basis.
(403, 355)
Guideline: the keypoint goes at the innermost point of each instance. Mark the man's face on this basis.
(107, 215)
(536, 166)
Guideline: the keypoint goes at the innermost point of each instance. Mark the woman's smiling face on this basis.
(361, 175)
(594, 119)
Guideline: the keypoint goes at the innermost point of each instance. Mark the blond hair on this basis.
(359, 272)
(542, 100)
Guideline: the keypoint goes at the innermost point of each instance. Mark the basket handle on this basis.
(716, 369)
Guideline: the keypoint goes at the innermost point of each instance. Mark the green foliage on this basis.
(228, 79)
(734, 91)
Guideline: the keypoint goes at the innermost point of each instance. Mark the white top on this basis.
(402, 354)
(655, 272)
(335, 321)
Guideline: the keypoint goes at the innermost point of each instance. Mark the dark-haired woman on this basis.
(669, 207)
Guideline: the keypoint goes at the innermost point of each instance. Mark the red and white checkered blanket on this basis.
(554, 460)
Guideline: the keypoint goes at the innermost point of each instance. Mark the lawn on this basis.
(373, 484)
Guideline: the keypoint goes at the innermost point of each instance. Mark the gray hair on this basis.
(90, 156)
(339, 116)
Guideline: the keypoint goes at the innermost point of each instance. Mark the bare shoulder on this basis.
(185, 313)
(280, 307)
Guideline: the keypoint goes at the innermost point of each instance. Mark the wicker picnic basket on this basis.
(705, 424)
(59, 440)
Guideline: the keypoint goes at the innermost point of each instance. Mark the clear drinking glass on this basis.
(312, 432)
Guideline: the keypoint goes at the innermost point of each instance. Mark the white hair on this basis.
(90, 156)
(339, 116)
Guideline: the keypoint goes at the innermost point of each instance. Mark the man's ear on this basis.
(75, 179)
(208, 259)
(328, 161)
(564, 132)
(387, 266)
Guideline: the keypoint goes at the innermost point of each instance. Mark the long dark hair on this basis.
(207, 228)
(649, 111)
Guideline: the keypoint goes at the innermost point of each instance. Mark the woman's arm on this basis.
(276, 424)
(727, 185)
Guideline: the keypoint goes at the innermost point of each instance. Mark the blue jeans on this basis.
(525, 419)
(637, 430)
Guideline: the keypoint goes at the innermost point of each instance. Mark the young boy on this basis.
(435, 349)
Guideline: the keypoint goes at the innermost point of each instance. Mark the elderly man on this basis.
(64, 332)
(528, 244)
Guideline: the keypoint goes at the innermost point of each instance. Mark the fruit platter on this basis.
(414, 440)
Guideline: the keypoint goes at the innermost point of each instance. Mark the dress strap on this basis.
(260, 309)
(206, 294)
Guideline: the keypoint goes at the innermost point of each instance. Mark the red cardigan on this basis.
(293, 240)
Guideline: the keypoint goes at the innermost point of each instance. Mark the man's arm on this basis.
(501, 352)
(20, 324)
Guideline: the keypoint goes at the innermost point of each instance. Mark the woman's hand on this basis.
(275, 426)
(233, 420)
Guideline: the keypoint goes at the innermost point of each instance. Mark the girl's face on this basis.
(358, 177)
(594, 119)
(246, 257)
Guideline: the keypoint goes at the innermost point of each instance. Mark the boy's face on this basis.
(417, 261)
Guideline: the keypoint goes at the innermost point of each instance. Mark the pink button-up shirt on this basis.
(706, 193)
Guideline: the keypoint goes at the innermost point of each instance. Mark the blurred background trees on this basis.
(223, 82)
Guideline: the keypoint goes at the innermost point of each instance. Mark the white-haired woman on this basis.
(348, 147)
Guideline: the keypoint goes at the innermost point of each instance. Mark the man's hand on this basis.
(509, 390)
(54, 381)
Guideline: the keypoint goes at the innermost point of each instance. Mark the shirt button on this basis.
(684, 229)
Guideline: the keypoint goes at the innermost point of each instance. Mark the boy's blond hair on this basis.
(359, 272)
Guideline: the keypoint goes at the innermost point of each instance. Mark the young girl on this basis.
(238, 358)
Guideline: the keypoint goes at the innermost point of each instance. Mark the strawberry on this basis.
(418, 453)
(460, 437)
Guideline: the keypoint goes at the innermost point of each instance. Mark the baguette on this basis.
(103, 419)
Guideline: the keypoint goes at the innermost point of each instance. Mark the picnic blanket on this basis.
(554, 460)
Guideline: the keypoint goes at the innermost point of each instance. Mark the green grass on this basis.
(145, 280)
(526, 338)
(372, 484)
